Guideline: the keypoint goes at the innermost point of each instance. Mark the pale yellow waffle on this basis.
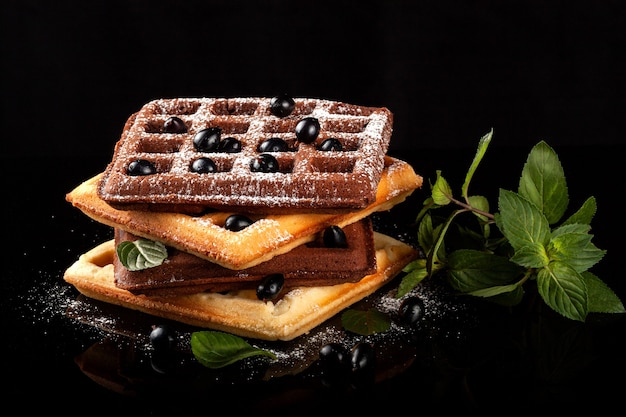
(241, 312)
(270, 235)
(307, 176)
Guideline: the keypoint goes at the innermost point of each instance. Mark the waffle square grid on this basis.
(308, 178)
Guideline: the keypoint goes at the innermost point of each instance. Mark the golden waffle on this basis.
(241, 312)
(270, 235)
(308, 178)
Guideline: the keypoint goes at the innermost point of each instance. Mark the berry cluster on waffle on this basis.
(185, 155)
(260, 204)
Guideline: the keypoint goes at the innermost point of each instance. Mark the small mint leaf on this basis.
(564, 290)
(481, 203)
(543, 182)
(415, 272)
(576, 249)
(365, 322)
(584, 214)
(601, 298)
(217, 349)
(141, 254)
(520, 221)
(483, 144)
(570, 228)
(441, 191)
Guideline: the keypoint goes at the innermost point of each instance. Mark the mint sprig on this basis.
(495, 256)
(141, 254)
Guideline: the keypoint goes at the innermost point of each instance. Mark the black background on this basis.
(449, 70)
(73, 71)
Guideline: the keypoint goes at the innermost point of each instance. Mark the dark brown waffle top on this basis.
(308, 178)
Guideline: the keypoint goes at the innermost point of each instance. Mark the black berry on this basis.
(162, 337)
(174, 125)
(273, 145)
(237, 222)
(334, 355)
(207, 140)
(203, 166)
(335, 237)
(363, 356)
(331, 144)
(141, 167)
(282, 105)
(411, 310)
(270, 287)
(229, 145)
(307, 129)
(264, 163)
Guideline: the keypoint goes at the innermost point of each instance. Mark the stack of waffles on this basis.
(245, 195)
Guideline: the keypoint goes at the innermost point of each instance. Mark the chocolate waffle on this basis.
(205, 235)
(241, 312)
(308, 177)
(310, 264)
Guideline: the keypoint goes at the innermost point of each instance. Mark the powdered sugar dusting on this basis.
(307, 178)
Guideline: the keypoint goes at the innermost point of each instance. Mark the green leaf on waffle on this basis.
(141, 254)
(217, 349)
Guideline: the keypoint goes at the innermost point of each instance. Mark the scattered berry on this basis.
(264, 163)
(411, 310)
(331, 144)
(203, 166)
(273, 145)
(237, 222)
(307, 129)
(162, 338)
(335, 237)
(141, 167)
(207, 140)
(174, 125)
(282, 105)
(270, 287)
(229, 145)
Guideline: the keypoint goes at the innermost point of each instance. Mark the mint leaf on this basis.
(601, 298)
(570, 228)
(564, 290)
(441, 192)
(533, 255)
(365, 322)
(543, 182)
(520, 221)
(576, 249)
(584, 214)
(217, 349)
(481, 203)
(471, 270)
(415, 272)
(141, 254)
(425, 233)
(483, 144)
